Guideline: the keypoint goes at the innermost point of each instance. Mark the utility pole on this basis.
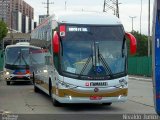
(117, 8)
(65, 5)
(149, 48)
(111, 5)
(48, 3)
(132, 21)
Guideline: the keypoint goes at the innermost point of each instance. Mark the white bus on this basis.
(17, 62)
(86, 58)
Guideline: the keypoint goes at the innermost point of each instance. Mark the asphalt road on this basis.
(20, 98)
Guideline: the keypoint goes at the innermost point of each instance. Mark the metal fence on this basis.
(140, 66)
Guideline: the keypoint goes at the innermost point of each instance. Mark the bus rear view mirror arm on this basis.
(133, 43)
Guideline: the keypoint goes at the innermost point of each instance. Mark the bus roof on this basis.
(86, 18)
(21, 44)
(96, 18)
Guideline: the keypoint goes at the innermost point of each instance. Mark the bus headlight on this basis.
(7, 73)
(66, 85)
(123, 82)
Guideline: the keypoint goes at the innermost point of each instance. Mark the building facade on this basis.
(17, 14)
(42, 18)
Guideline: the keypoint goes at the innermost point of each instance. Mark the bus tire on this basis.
(8, 82)
(107, 104)
(36, 89)
(54, 101)
(50, 87)
(33, 78)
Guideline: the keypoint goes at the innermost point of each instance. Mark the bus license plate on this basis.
(19, 76)
(95, 98)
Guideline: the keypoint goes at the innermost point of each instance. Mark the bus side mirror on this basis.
(133, 43)
(55, 42)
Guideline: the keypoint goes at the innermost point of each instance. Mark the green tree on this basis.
(142, 44)
(3, 30)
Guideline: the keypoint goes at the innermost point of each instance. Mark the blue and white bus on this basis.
(17, 62)
(84, 58)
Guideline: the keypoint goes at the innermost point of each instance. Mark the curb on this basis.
(141, 79)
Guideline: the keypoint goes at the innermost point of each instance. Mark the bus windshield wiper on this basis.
(87, 62)
(85, 66)
(105, 64)
(20, 56)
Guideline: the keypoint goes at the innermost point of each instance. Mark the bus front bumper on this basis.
(13, 77)
(70, 99)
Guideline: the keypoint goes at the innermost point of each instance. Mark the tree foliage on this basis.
(3, 30)
(142, 44)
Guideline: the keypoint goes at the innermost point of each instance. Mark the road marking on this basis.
(140, 103)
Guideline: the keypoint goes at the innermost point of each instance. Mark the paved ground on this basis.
(140, 99)
(21, 99)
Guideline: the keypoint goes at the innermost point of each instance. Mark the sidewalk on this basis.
(140, 78)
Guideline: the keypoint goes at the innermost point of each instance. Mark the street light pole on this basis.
(132, 21)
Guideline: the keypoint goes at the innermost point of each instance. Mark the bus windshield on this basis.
(17, 57)
(94, 51)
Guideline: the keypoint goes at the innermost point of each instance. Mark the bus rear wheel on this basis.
(8, 82)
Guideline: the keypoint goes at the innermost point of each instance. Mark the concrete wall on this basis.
(19, 21)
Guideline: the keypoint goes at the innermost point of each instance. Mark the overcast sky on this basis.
(127, 8)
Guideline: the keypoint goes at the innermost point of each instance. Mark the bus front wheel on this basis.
(8, 82)
(36, 89)
(108, 104)
(54, 101)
